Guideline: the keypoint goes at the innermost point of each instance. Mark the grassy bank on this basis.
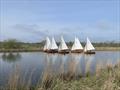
(22, 50)
(107, 48)
(33, 49)
(13, 45)
(104, 79)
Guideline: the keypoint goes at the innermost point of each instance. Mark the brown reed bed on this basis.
(104, 79)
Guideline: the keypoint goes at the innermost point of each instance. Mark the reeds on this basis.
(19, 81)
(104, 79)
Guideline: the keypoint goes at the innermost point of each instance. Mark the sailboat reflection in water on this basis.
(76, 60)
(89, 63)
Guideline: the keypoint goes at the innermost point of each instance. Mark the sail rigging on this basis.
(62, 45)
(77, 45)
(88, 46)
(47, 44)
(53, 44)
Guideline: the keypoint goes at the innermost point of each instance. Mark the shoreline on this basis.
(19, 50)
(40, 50)
(107, 48)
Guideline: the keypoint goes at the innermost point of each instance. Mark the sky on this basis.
(33, 20)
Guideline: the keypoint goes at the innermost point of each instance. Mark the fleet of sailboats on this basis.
(51, 46)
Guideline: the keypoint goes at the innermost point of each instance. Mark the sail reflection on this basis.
(63, 63)
(77, 64)
(72, 64)
(51, 60)
(89, 60)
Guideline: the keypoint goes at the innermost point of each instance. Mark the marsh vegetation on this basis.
(104, 79)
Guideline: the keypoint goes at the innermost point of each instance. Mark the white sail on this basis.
(88, 46)
(62, 45)
(47, 44)
(76, 45)
(53, 44)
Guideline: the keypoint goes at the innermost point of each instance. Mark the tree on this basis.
(11, 44)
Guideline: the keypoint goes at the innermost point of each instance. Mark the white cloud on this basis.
(36, 32)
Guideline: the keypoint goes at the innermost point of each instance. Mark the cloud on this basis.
(24, 32)
(34, 29)
(104, 25)
(36, 32)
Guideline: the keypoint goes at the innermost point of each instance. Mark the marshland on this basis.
(43, 71)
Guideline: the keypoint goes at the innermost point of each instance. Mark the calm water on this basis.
(34, 63)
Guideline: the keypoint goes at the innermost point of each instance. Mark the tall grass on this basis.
(104, 79)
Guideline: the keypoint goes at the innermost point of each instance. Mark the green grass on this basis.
(108, 48)
(34, 49)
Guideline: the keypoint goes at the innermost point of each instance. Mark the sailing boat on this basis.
(53, 46)
(77, 47)
(89, 49)
(47, 45)
(63, 47)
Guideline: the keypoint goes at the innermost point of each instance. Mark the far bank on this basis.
(40, 49)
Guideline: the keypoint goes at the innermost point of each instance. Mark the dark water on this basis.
(33, 64)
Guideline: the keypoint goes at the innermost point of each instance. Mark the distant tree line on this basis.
(15, 44)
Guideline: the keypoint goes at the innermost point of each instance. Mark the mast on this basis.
(77, 44)
(47, 44)
(88, 46)
(53, 44)
(62, 45)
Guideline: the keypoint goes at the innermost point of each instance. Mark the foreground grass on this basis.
(104, 79)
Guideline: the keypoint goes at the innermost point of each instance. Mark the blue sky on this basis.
(33, 20)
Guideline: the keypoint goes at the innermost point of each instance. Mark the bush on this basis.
(11, 44)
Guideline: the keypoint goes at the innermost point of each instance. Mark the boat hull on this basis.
(63, 51)
(77, 51)
(90, 52)
(45, 50)
(52, 51)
